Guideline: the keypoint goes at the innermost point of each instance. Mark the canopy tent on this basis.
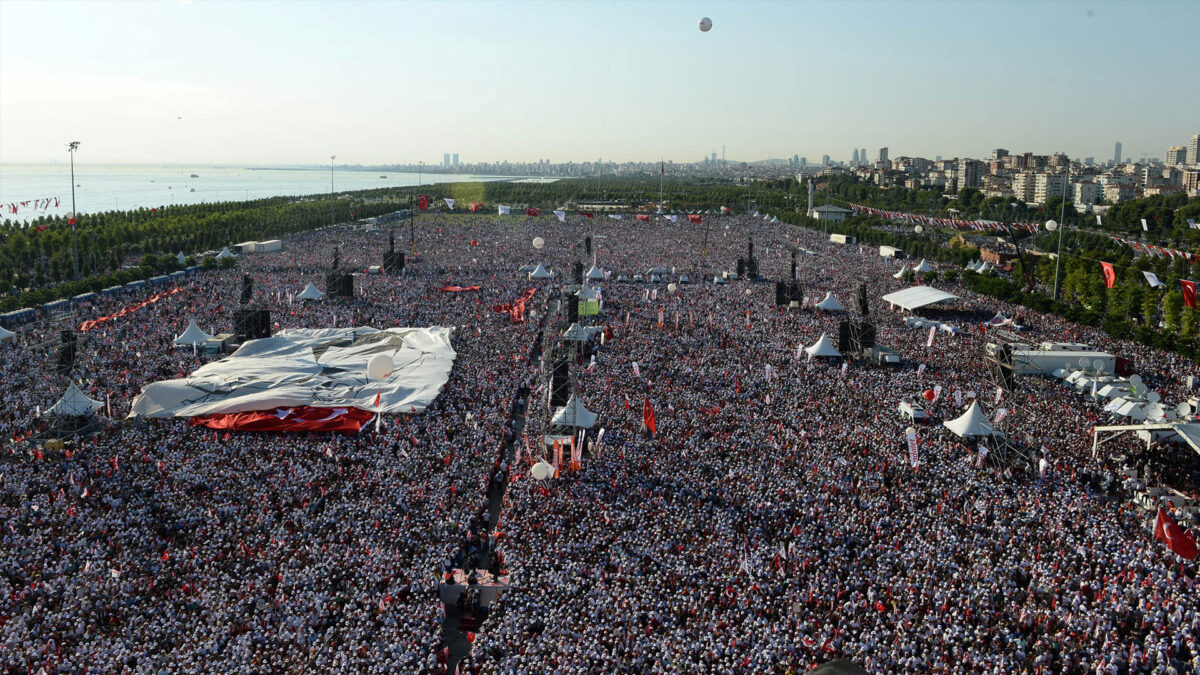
(823, 347)
(310, 292)
(6, 334)
(923, 267)
(224, 254)
(193, 335)
(577, 333)
(830, 303)
(985, 267)
(181, 258)
(971, 423)
(311, 368)
(573, 414)
(594, 274)
(539, 272)
(527, 268)
(903, 270)
(585, 294)
(973, 265)
(74, 402)
(917, 297)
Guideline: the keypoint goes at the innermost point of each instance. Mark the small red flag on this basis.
(1189, 292)
(1168, 531)
(587, 214)
(643, 217)
(422, 202)
(648, 417)
(1110, 276)
(532, 213)
(694, 218)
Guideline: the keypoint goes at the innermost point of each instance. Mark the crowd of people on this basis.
(775, 520)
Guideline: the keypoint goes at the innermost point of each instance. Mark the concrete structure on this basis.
(883, 155)
(1086, 192)
(1048, 186)
(1022, 186)
(1193, 151)
(1191, 181)
(1176, 155)
(970, 172)
(1117, 154)
(1118, 192)
(833, 214)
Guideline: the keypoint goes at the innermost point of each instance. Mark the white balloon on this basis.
(380, 367)
(541, 471)
(538, 242)
(672, 287)
(705, 24)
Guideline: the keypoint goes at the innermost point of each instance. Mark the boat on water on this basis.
(195, 175)
(192, 190)
(383, 176)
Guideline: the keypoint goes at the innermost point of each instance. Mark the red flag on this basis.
(695, 218)
(475, 206)
(587, 214)
(1167, 531)
(300, 418)
(879, 606)
(422, 202)
(1189, 292)
(532, 213)
(643, 217)
(1110, 276)
(648, 417)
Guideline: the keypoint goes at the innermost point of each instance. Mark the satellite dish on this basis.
(1183, 409)
(1153, 397)
(1135, 380)
(1083, 362)
(705, 24)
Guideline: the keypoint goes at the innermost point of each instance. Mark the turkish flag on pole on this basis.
(1168, 532)
(648, 417)
(422, 202)
(694, 217)
(643, 217)
(1110, 276)
(1189, 292)
(587, 214)
(532, 213)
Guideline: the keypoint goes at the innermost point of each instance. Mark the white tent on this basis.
(823, 347)
(576, 333)
(181, 258)
(917, 297)
(573, 414)
(310, 292)
(595, 274)
(1133, 409)
(6, 335)
(971, 423)
(74, 402)
(830, 303)
(985, 267)
(528, 268)
(193, 335)
(973, 266)
(900, 274)
(224, 254)
(923, 267)
(585, 294)
(539, 272)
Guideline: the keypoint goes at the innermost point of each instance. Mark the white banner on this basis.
(449, 202)
(932, 332)
(637, 372)
(561, 215)
(505, 210)
(958, 398)
(913, 457)
(614, 216)
(844, 367)
(920, 371)
(937, 393)
(983, 453)
(1001, 413)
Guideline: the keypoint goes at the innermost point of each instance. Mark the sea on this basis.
(47, 188)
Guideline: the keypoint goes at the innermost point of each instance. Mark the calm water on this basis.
(107, 188)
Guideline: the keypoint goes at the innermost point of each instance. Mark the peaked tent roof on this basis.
(576, 333)
(900, 274)
(971, 423)
(181, 258)
(310, 292)
(584, 293)
(224, 253)
(918, 297)
(528, 268)
(74, 402)
(6, 334)
(923, 267)
(539, 272)
(595, 273)
(193, 335)
(573, 414)
(830, 303)
(822, 347)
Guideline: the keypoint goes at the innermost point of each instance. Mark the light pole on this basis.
(71, 148)
(1060, 226)
(331, 158)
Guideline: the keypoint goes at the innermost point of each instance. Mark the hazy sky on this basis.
(379, 82)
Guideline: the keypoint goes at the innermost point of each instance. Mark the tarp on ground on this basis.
(193, 335)
(310, 292)
(316, 367)
(74, 402)
(971, 423)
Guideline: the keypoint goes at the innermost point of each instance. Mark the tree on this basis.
(1173, 309)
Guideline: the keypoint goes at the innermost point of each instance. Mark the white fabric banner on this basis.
(958, 398)
(505, 210)
(561, 215)
(449, 202)
(614, 216)
(322, 367)
(937, 393)
(1153, 280)
(932, 332)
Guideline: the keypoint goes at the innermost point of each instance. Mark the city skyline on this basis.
(577, 81)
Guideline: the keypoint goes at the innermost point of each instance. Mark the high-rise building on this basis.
(939, 158)
(1117, 154)
(854, 158)
(1193, 151)
(446, 160)
(862, 155)
(1048, 186)
(824, 160)
(803, 162)
(1176, 155)
(883, 155)
(455, 159)
(970, 172)
(1086, 192)
(999, 153)
(1022, 186)
(714, 158)
(1089, 160)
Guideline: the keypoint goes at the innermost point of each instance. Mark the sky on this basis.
(282, 83)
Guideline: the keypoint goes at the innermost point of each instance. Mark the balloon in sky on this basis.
(705, 24)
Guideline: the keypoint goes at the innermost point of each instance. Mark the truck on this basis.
(913, 411)
(882, 355)
(1045, 362)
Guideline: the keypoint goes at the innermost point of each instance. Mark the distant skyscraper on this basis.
(854, 158)
(446, 160)
(1193, 150)
(1089, 160)
(714, 157)
(803, 162)
(1175, 156)
(939, 158)
(999, 153)
(883, 155)
(456, 159)
(862, 155)
(1117, 153)
(824, 160)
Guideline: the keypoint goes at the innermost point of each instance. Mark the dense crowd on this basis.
(774, 521)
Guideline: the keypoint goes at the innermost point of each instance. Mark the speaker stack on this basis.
(340, 285)
(251, 324)
(66, 353)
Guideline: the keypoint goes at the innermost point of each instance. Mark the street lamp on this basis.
(331, 158)
(71, 148)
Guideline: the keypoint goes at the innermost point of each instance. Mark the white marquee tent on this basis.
(923, 267)
(918, 297)
(224, 254)
(74, 402)
(6, 335)
(573, 414)
(310, 292)
(539, 272)
(830, 303)
(823, 347)
(900, 274)
(971, 423)
(193, 335)
(595, 274)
